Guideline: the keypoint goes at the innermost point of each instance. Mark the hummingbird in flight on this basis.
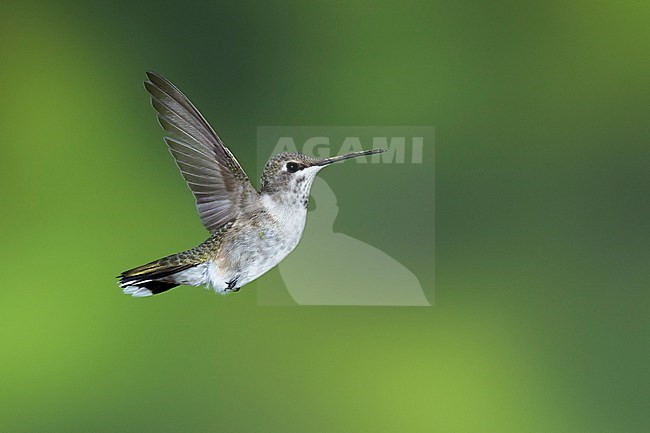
(250, 231)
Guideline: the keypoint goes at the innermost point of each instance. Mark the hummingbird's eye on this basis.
(293, 167)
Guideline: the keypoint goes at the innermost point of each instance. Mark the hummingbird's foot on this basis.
(231, 285)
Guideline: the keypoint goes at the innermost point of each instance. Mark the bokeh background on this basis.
(540, 322)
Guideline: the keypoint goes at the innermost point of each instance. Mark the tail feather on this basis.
(153, 278)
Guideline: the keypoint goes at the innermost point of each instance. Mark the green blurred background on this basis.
(540, 321)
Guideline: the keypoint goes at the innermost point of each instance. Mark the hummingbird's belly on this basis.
(249, 253)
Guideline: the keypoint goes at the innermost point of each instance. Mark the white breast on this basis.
(287, 221)
(261, 247)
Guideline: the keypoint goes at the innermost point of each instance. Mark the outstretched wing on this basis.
(219, 184)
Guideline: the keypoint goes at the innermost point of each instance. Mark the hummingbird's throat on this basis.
(301, 186)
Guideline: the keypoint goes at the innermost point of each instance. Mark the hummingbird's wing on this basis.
(219, 184)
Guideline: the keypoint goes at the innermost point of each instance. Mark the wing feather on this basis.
(220, 186)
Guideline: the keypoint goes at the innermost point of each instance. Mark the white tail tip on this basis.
(138, 292)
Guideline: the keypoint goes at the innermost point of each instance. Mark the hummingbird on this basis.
(251, 231)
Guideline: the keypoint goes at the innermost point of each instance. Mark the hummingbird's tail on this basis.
(156, 277)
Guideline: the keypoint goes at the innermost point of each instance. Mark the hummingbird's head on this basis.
(292, 173)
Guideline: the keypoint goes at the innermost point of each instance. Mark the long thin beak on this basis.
(328, 161)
